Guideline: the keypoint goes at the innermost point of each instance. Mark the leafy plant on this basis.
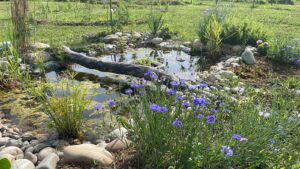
(155, 23)
(5, 164)
(212, 37)
(263, 48)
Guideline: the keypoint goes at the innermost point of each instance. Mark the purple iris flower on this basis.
(177, 123)
(135, 86)
(192, 87)
(111, 103)
(150, 74)
(227, 151)
(211, 119)
(97, 107)
(156, 108)
(171, 92)
(236, 137)
(179, 97)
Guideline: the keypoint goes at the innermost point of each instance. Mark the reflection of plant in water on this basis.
(134, 56)
(121, 58)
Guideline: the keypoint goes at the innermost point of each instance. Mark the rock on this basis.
(127, 34)
(22, 164)
(119, 34)
(37, 148)
(117, 145)
(87, 153)
(119, 133)
(29, 149)
(49, 162)
(25, 145)
(38, 56)
(4, 141)
(187, 44)
(39, 45)
(10, 157)
(111, 38)
(14, 151)
(226, 73)
(109, 47)
(238, 90)
(231, 61)
(45, 152)
(60, 143)
(3, 64)
(28, 136)
(248, 57)
(31, 157)
(52, 66)
(237, 49)
(185, 49)
(13, 142)
(156, 41)
(136, 35)
(197, 45)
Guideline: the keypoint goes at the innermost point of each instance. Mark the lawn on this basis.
(65, 22)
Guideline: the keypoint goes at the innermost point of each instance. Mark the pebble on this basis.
(14, 151)
(49, 162)
(22, 164)
(45, 152)
(31, 157)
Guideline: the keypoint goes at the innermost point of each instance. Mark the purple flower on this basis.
(297, 91)
(211, 119)
(179, 97)
(156, 108)
(213, 111)
(272, 141)
(203, 85)
(97, 107)
(227, 151)
(150, 74)
(192, 87)
(171, 92)
(236, 137)
(128, 91)
(135, 86)
(186, 104)
(141, 92)
(111, 103)
(200, 102)
(175, 83)
(200, 116)
(177, 123)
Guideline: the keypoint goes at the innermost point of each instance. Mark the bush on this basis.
(242, 32)
(185, 129)
(212, 37)
(263, 48)
(166, 33)
(284, 51)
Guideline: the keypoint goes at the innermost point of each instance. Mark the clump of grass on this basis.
(213, 37)
(155, 23)
(188, 129)
(65, 110)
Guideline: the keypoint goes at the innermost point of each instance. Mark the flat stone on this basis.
(14, 151)
(156, 41)
(49, 162)
(22, 164)
(45, 152)
(28, 136)
(87, 153)
(117, 145)
(111, 38)
(31, 157)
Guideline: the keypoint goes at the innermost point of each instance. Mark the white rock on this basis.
(119, 34)
(87, 153)
(39, 45)
(4, 141)
(156, 41)
(31, 157)
(22, 164)
(14, 151)
(9, 157)
(248, 57)
(111, 38)
(237, 49)
(226, 73)
(136, 35)
(49, 162)
(45, 152)
(119, 133)
(197, 45)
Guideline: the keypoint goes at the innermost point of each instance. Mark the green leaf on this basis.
(4, 164)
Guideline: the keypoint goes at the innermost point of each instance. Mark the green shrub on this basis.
(166, 33)
(212, 37)
(155, 23)
(283, 51)
(242, 32)
(186, 129)
(263, 48)
(65, 110)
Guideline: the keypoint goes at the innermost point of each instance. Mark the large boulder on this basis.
(49, 162)
(22, 164)
(14, 151)
(111, 38)
(248, 57)
(87, 153)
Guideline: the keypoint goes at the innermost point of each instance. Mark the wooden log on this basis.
(113, 67)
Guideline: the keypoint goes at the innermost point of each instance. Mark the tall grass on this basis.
(155, 23)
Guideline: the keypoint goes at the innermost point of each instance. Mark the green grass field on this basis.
(283, 21)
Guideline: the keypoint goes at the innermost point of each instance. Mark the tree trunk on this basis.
(118, 68)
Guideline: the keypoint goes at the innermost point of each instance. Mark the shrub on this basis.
(246, 32)
(155, 23)
(212, 37)
(186, 129)
(263, 48)
(284, 51)
(166, 33)
(65, 110)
